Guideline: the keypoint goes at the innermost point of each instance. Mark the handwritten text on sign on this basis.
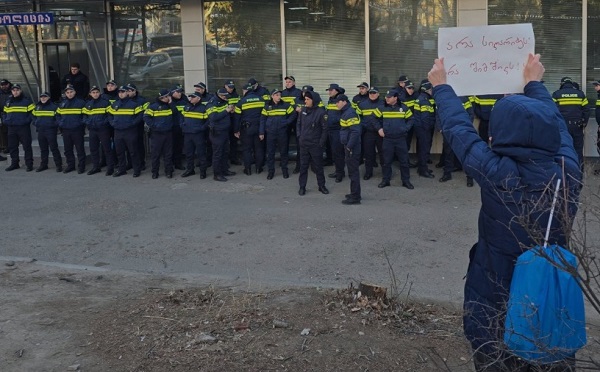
(486, 59)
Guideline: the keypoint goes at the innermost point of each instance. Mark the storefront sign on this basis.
(486, 59)
(15, 19)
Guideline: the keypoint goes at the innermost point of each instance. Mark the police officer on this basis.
(401, 88)
(596, 85)
(290, 94)
(195, 134)
(424, 122)
(371, 140)
(159, 119)
(234, 98)
(276, 117)
(47, 128)
(111, 91)
(205, 96)
(17, 117)
(573, 105)
(178, 102)
(219, 124)
(363, 94)
(312, 133)
(70, 120)
(5, 93)
(134, 95)
(247, 122)
(333, 130)
(350, 134)
(95, 116)
(258, 89)
(125, 116)
(410, 97)
(448, 159)
(395, 122)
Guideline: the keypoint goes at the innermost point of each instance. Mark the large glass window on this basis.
(147, 48)
(243, 40)
(557, 28)
(325, 42)
(403, 39)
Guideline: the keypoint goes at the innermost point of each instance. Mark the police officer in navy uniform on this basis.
(17, 117)
(312, 133)
(5, 93)
(424, 122)
(350, 134)
(47, 129)
(95, 117)
(276, 118)
(372, 142)
(234, 98)
(395, 122)
(289, 95)
(401, 88)
(110, 91)
(178, 101)
(205, 96)
(574, 107)
(134, 95)
(247, 124)
(219, 124)
(195, 134)
(70, 120)
(482, 107)
(448, 158)
(596, 85)
(333, 129)
(258, 89)
(363, 94)
(159, 118)
(125, 116)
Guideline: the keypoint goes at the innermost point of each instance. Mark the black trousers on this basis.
(177, 145)
(194, 145)
(398, 147)
(252, 147)
(353, 162)
(576, 131)
(20, 134)
(424, 135)
(312, 154)
(48, 142)
(337, 151)
(220, 142)
(372, 144)
(278, 141)
(73, 138)
(127, 140)
(161, 144)
(101, 142)
(141, 145)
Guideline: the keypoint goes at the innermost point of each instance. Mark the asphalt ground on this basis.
(249, 230)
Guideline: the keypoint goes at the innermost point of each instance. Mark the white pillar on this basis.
(471, 13)
(194, 51)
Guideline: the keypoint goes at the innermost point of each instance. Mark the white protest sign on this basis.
(486, 59)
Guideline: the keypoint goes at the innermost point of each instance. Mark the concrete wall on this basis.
(194, 52)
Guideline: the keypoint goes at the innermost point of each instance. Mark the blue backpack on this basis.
(545, 320)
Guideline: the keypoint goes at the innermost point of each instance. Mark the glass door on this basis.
(56, 58)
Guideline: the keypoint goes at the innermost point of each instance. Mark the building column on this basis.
(194, 51)
(471, 13)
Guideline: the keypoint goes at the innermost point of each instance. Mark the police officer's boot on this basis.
(248, 171)
(41, 168)
(285, 173)
(270, 175)
(259, 170)
(202, 174)
(12, 167)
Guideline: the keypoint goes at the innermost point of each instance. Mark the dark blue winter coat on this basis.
(45, 115)
(95, 114)
(517, 174)
(350, 132)
(276, 117)
(17, 111)
(396, 120)
(160, 116)
(366, 110)
(219, 120)
(125, 113)
(70, 113)
(194, 118)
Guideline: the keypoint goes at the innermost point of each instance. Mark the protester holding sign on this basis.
(529, 148)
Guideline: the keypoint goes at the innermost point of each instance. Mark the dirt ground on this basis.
(61, 319)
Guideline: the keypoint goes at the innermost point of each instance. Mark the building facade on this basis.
(158, 44)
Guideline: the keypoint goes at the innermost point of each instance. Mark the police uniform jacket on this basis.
(311, 125)
(141, 100)
(366, 110)
(525, 156)
(125, 113)
(206, 97)
(572, 104)
(424, 111)
(262, 92)
(219, 119)
(276, 117)
(194, 118)
(357, 99)
(178, 105)
(350, 131)
(17, 111)
(95, 113)
(598, 109)
(396, 120)
(290, 95)
(248, 110)
(234, 97)
(45, 115)
(333, 114)
(70, 113)
(110, 96)
(159, 116)
(409, 99)
(482, 105)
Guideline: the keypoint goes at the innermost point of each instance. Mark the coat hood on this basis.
(524, 129)
(316, 97)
